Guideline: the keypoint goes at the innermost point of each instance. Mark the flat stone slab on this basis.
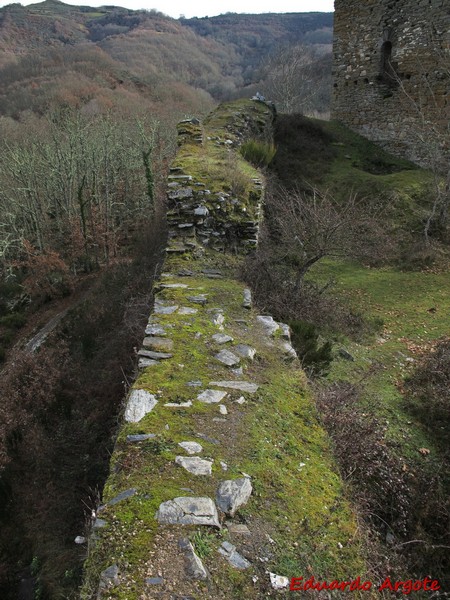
(155, 355)
(174, 286)
(147, 362)
(232, 494)
(211, 272)
(188, 511)
(200, 299)
(185, 310)
(195, 383)
(140, 403)
(201, 211)
(99, 523)
(235, 559)
(242, 386)
(155, 329)
(194, 464)
(163, 309)
(191, 447)
(211, 396)
(122, 496)
(179, 404)
(159, 344)
(140, 437)
(245, 351)
(194, 566)
(237, 528)
(227, 358)
(205, 437)
(270, 326)
(222, 338)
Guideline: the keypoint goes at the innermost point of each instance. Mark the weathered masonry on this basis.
(221, 474)
(392, 74)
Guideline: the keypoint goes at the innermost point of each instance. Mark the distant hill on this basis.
(218, 57)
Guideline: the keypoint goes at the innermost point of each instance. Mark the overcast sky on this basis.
(201, 8)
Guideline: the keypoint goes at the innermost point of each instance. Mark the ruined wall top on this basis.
(391, 72)
(215, 196)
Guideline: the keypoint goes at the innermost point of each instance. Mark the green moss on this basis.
(402, 302)
(297, 486)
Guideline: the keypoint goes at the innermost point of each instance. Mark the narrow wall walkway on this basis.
(222, 485)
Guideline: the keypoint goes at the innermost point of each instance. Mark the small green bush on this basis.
(259, 154)
(14, 320)
(315, 359)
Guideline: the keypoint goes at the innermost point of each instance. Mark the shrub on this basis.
(14, 320)
(315, 359)
(366, 459)
(259, 154)
(428, 392)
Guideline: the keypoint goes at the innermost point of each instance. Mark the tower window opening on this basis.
(388, 70)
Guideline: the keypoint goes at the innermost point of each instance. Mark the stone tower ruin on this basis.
(392, 74)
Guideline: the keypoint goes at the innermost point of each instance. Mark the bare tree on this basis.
(294, 79)
(310, 227)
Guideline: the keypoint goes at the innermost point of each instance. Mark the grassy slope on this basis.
(329, 155)
(411, 307)
(402, 301)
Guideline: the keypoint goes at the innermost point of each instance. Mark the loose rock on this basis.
(242, 386)
(110, 577)
(278, 582)
(194, 464)
(245, 351)
(233, 557)
(194, 566)
(232, 494)
(188, 511)
(140, 403)
(227, 358)
(222, 338)
(191, 447)
(210, 396)
(269, 325)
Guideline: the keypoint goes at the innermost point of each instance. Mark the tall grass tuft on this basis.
(259, 154)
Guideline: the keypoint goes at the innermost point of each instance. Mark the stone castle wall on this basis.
(212, 373)
(391, 73)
